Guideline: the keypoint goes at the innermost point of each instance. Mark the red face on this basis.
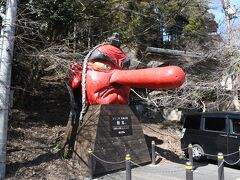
(99, 73)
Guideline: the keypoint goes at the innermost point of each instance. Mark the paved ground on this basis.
(174, 171)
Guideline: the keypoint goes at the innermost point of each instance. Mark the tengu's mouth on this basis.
(109, 90)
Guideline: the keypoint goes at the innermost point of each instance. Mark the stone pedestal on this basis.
(111, 131)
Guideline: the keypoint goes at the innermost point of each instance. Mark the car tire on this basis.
(198, 153)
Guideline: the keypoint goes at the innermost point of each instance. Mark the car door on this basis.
(214, 135)
(233, 139)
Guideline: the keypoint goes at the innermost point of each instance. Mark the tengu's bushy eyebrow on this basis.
(96, 54)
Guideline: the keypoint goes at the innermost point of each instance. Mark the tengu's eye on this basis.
(101, 66)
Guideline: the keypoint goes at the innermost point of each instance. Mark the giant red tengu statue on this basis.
(102, 79)
(108, 80)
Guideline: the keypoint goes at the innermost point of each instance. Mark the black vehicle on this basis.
(211, 133)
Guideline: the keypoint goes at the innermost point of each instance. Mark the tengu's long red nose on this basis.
(153, 78)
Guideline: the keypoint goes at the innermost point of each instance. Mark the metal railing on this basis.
(220, 158)
(188, 165)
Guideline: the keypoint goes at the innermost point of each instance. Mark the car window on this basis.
(215, 124)
(235, 126)
(192, 121)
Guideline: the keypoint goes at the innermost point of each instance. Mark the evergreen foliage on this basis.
(138, 21)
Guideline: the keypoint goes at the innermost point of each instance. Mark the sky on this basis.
(217, 10)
